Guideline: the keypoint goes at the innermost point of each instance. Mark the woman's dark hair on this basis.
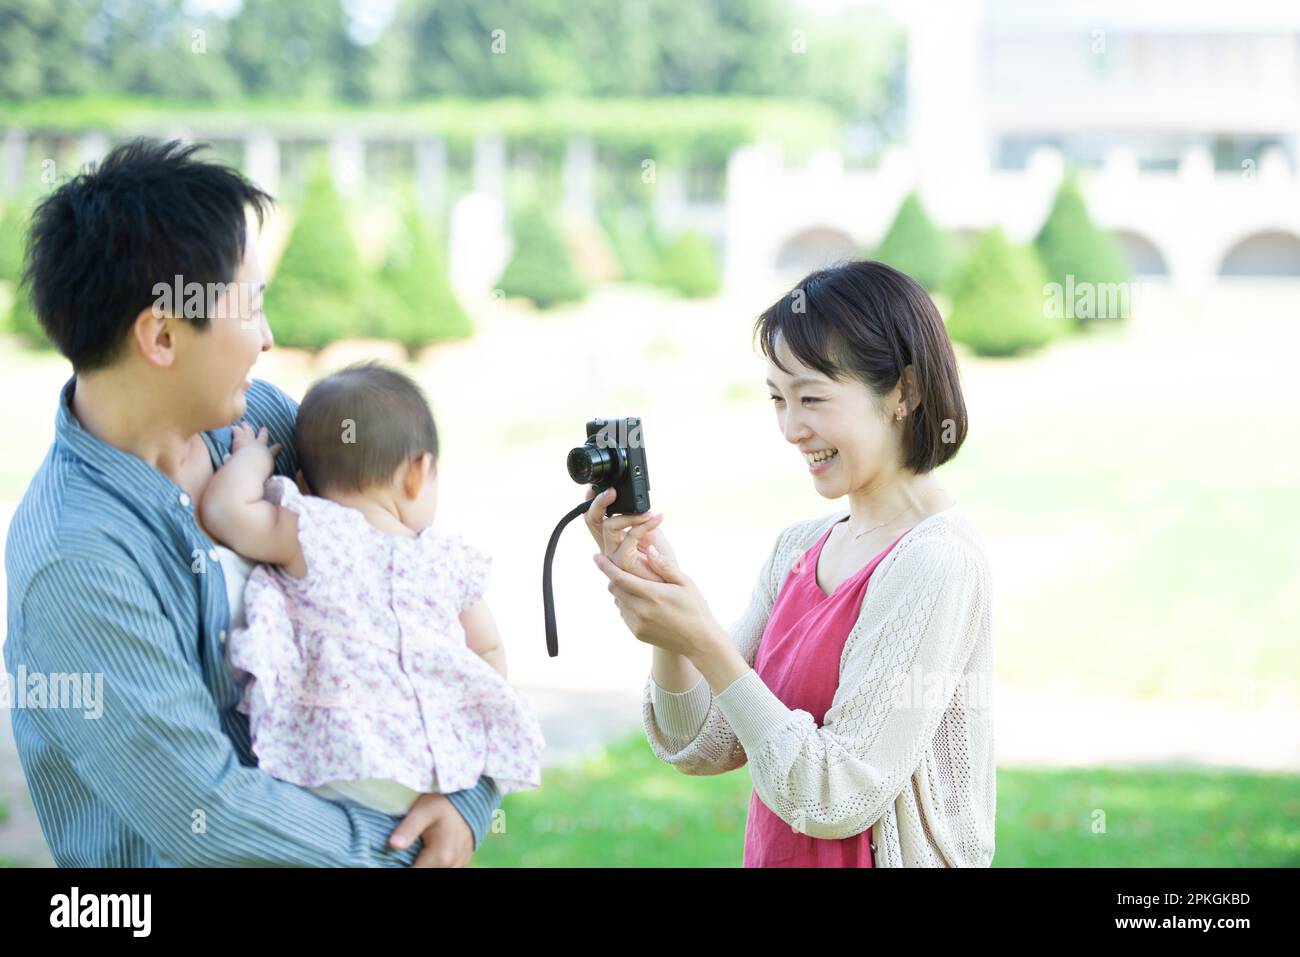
(357, 426)
(103, 240)
(867, 321)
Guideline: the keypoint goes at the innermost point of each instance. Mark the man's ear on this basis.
(302, 483)
(154, 337)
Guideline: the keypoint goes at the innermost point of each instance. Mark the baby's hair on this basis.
(357, 426)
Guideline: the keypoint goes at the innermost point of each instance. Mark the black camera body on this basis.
(614, 457)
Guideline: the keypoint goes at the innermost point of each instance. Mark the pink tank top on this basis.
(799, 659)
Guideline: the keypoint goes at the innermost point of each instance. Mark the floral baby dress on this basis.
(360, 672)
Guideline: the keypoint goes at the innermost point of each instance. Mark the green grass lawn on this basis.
(626, 808)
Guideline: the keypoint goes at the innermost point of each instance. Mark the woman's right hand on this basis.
(610, 532)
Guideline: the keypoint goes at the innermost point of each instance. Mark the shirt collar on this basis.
(127, 475)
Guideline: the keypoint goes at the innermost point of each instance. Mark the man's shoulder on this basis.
(267, 402)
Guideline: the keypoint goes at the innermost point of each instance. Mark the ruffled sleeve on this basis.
(263, 649)
(474, 565)
(316, 545)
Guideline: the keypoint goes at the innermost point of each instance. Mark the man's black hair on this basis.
(101, 242)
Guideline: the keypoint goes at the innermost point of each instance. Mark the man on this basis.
(109, 570)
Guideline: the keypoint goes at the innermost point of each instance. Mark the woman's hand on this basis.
(666, 611)
(610, 532)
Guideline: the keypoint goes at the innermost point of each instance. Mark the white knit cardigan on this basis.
(906, 748)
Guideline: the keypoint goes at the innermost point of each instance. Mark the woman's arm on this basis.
(687, 729)
(234, 510)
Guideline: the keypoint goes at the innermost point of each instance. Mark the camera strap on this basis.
(548, 599)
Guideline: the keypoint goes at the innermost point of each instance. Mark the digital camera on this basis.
(614, 457)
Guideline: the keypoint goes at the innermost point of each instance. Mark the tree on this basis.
(541, 268)
(689, 266)
(998, 303)
(1075, 252)
(317, 293)
(423, 308)
(914, 245)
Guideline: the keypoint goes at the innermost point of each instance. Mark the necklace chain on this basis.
(858, 535)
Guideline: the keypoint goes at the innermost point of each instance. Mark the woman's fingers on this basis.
(595, 515)
(608, 530)
(628, 546)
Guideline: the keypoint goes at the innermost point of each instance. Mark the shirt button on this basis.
(222, 638)
(185, 500)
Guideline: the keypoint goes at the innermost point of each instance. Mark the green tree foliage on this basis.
(420, 306)
(13, 239)
(689, 266)
(541, 268)
(332, 50)
(319, 290)
(22, 321)
(633, 240)
(1074, 250)
(998, 303)
(914, 245)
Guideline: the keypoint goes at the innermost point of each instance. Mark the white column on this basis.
(348, 163)
(91, 148)
(431, 176)
(262, 160)
(13, 159)
(580, 178)
(490, 165)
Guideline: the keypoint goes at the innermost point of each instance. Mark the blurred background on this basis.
(551, 211)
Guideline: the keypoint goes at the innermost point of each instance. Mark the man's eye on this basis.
(810, 399)
(776, 398)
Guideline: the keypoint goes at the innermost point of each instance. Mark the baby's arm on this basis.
(234, 510)
(482, 636)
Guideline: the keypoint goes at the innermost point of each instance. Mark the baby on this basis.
(375, 671)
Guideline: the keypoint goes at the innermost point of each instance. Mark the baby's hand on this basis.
(243, 440)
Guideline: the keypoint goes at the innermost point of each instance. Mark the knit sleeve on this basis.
(688, 730)
(899, 679)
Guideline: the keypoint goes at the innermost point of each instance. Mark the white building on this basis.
(1183, 118)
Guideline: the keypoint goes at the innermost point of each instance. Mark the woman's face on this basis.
(819, 415)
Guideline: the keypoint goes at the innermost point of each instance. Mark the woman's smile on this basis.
(820, 461)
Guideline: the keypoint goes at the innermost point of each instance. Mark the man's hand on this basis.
(448, 840)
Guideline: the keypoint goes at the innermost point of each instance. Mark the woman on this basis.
(857, 684)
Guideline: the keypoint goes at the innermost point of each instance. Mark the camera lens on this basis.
(589, 465)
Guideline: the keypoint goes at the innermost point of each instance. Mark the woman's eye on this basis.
(810, 399)
(775, 398)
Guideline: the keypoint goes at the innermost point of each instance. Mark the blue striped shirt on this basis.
(113, 585)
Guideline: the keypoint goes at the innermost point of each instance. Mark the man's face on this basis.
(216, 363)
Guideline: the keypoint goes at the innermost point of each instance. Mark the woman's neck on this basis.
(907, 498)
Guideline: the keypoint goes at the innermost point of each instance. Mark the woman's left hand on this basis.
(669, 614)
